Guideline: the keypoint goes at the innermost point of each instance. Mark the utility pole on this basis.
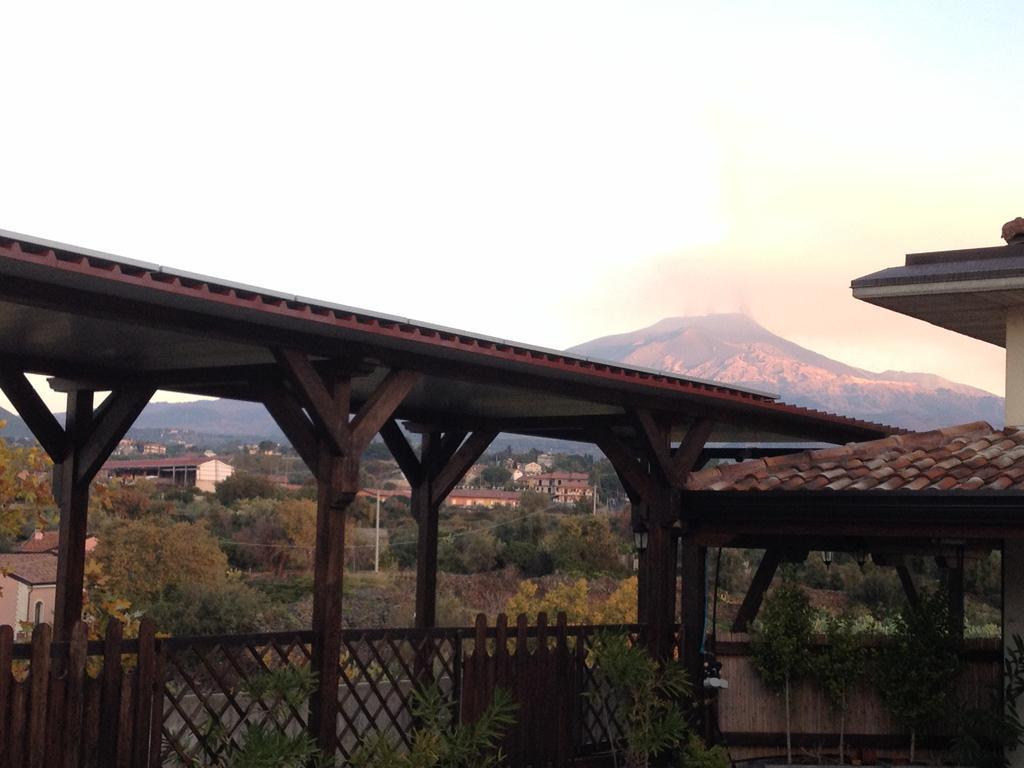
(376, 543)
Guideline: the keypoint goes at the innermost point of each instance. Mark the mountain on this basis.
(201, 421)
(210, 417)
(15, 428)
(734, 349)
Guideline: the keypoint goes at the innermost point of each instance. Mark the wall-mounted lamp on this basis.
(827, 557)
(640, 540)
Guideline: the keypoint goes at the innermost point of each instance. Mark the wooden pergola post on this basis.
(653, 479)
(78, 451)
(313, 412)
(444, 459)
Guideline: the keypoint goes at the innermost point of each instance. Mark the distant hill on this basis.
(210, 417)
(200, 421)
(15, 429)
(732, 348)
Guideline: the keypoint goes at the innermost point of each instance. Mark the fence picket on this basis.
(19, 708)
(110, 695)
(6, 682)
(39, 678)
(144, 679)
(74, 702)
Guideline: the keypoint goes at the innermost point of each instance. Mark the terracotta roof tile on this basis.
(30, 567)
(967, 457)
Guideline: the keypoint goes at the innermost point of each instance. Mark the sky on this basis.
(548, 172)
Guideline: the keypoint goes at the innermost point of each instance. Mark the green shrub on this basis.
(646, 698)
(441, 741)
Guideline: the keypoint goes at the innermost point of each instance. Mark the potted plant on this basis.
(781, 644)
(916, 672)
(646, 697)
(837, 668)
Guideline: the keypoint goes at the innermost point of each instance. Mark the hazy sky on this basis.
(542, 171)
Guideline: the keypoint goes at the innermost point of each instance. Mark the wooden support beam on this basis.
(337, 484)
(661, 588)
(955, 591)
(443, 462)
(316, 420)
(33, 411)
(289, 416)
(329, 415)
(111, 421)
(694, 603)
(402, 452)
(380, 407)
(74, 510)
(758, 586)
(685, 457)
(653, 487)
(674, 465)
(907, 580)
(452, 472)
(635, 478)
(427, 514)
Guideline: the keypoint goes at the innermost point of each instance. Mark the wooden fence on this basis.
(188, 701)
(752, 718)
(53, 712)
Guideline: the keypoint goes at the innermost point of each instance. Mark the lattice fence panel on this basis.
(379, 671)
(213, 693)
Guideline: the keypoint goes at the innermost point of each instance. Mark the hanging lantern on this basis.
(826, 557)
(640, 540)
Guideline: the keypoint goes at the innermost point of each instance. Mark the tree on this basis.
(201, 609)
(585, 546)
(838, 667)
(781, 644)
(141, 560)
(24, 487)
(242, 485)
(916, 672)
(495, 476)
(531, 502)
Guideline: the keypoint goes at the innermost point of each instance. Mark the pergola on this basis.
(940, 493)
(334, 377)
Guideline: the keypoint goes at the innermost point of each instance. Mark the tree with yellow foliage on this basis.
(24, 486)
(574, 599)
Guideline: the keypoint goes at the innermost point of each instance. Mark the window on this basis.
(39, 612)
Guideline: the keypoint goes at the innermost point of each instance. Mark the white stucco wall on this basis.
(209, 473)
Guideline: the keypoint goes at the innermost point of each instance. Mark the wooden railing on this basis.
(188, 701)
(54, 712)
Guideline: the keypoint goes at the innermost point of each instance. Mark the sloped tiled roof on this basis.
(43, 541)
(967, 457)
(34, 568)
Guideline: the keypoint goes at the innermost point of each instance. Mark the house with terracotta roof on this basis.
(48, 541)
(562, 487)
(482, 497)
(28, 588)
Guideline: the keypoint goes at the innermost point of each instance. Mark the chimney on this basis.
(978, 292)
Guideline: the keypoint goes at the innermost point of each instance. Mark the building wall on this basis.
(13, 599)
(209, 473)
(45, 594)
(471, 501)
